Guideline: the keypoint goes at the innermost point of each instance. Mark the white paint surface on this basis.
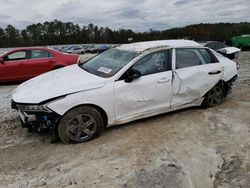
(123, 102)
(142, 46)
(229, 50)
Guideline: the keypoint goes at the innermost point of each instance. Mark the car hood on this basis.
(57, 83)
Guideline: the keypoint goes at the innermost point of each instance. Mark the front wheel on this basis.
(80, 124)
(214, 97)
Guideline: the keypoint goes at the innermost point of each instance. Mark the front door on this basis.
(14, 67)
(148, 95)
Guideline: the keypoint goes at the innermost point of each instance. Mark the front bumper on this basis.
(36, 120)
(25, 118)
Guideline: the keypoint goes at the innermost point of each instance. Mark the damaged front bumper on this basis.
(36, 117)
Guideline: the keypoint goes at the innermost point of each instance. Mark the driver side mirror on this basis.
(132, 74)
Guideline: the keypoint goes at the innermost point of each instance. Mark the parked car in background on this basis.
(76, 50)
(2, 52)
(242, 42)
(123, 84)
(88, 47)
(67, 48)
(230, 52)
(56, 48)
(25, 63)
(97, 49)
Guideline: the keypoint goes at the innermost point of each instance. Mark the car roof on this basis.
(143, 46)
(207, 42)
(33, 48)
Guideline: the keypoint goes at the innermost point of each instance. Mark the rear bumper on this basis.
(229, 84)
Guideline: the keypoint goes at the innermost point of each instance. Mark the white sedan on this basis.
(123, 84)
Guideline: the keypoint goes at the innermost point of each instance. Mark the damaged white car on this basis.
(126, 83)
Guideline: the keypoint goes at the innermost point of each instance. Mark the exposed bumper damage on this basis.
(228, 85)
(41, 121)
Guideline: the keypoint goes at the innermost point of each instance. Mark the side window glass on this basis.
(36, 54)
(153, 63)
(187, 58)
(207, 56)
(50, 54)
(15, 56)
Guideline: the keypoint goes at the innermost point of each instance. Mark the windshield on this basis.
(109, 62)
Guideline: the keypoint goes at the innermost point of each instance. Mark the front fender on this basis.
(91, 97)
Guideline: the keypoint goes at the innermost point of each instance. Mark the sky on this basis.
(139, 15)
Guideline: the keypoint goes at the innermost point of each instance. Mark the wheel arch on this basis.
(98, 108)
(221, 82)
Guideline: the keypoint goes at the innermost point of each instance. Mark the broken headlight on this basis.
(33, 108)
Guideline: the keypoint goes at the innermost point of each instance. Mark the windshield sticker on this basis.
(105, 70)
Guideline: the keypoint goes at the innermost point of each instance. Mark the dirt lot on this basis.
(188, 148)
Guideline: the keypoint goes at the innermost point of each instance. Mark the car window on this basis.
(211, 45)
(220, 45)
(15, 56)
(207, 56)
(108, 63)
(153, 63)
(187, 58)
(36, 54)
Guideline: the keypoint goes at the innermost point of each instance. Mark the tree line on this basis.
(57, 32)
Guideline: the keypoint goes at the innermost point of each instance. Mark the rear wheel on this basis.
(80, 124)
(214, 97)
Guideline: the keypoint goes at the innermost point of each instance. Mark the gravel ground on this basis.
(189, 148)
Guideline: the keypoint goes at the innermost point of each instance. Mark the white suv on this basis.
(126, 83)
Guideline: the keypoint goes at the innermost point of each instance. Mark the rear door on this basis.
(14, 67)
(197, 70)
(40, 61)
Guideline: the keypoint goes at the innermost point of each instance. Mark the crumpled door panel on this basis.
(192, 83)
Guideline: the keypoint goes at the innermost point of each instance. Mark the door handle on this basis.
(214, 72)
(163, 80)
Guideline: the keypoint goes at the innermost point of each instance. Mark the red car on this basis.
(25, 63)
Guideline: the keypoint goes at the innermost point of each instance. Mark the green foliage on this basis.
(57, 32)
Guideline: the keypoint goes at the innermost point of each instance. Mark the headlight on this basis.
(33, 108)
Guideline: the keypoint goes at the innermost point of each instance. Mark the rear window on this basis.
(35, 54)
(187, 58)
(220, 45)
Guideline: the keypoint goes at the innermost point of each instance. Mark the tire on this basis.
(214, 97)
(81, 124)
